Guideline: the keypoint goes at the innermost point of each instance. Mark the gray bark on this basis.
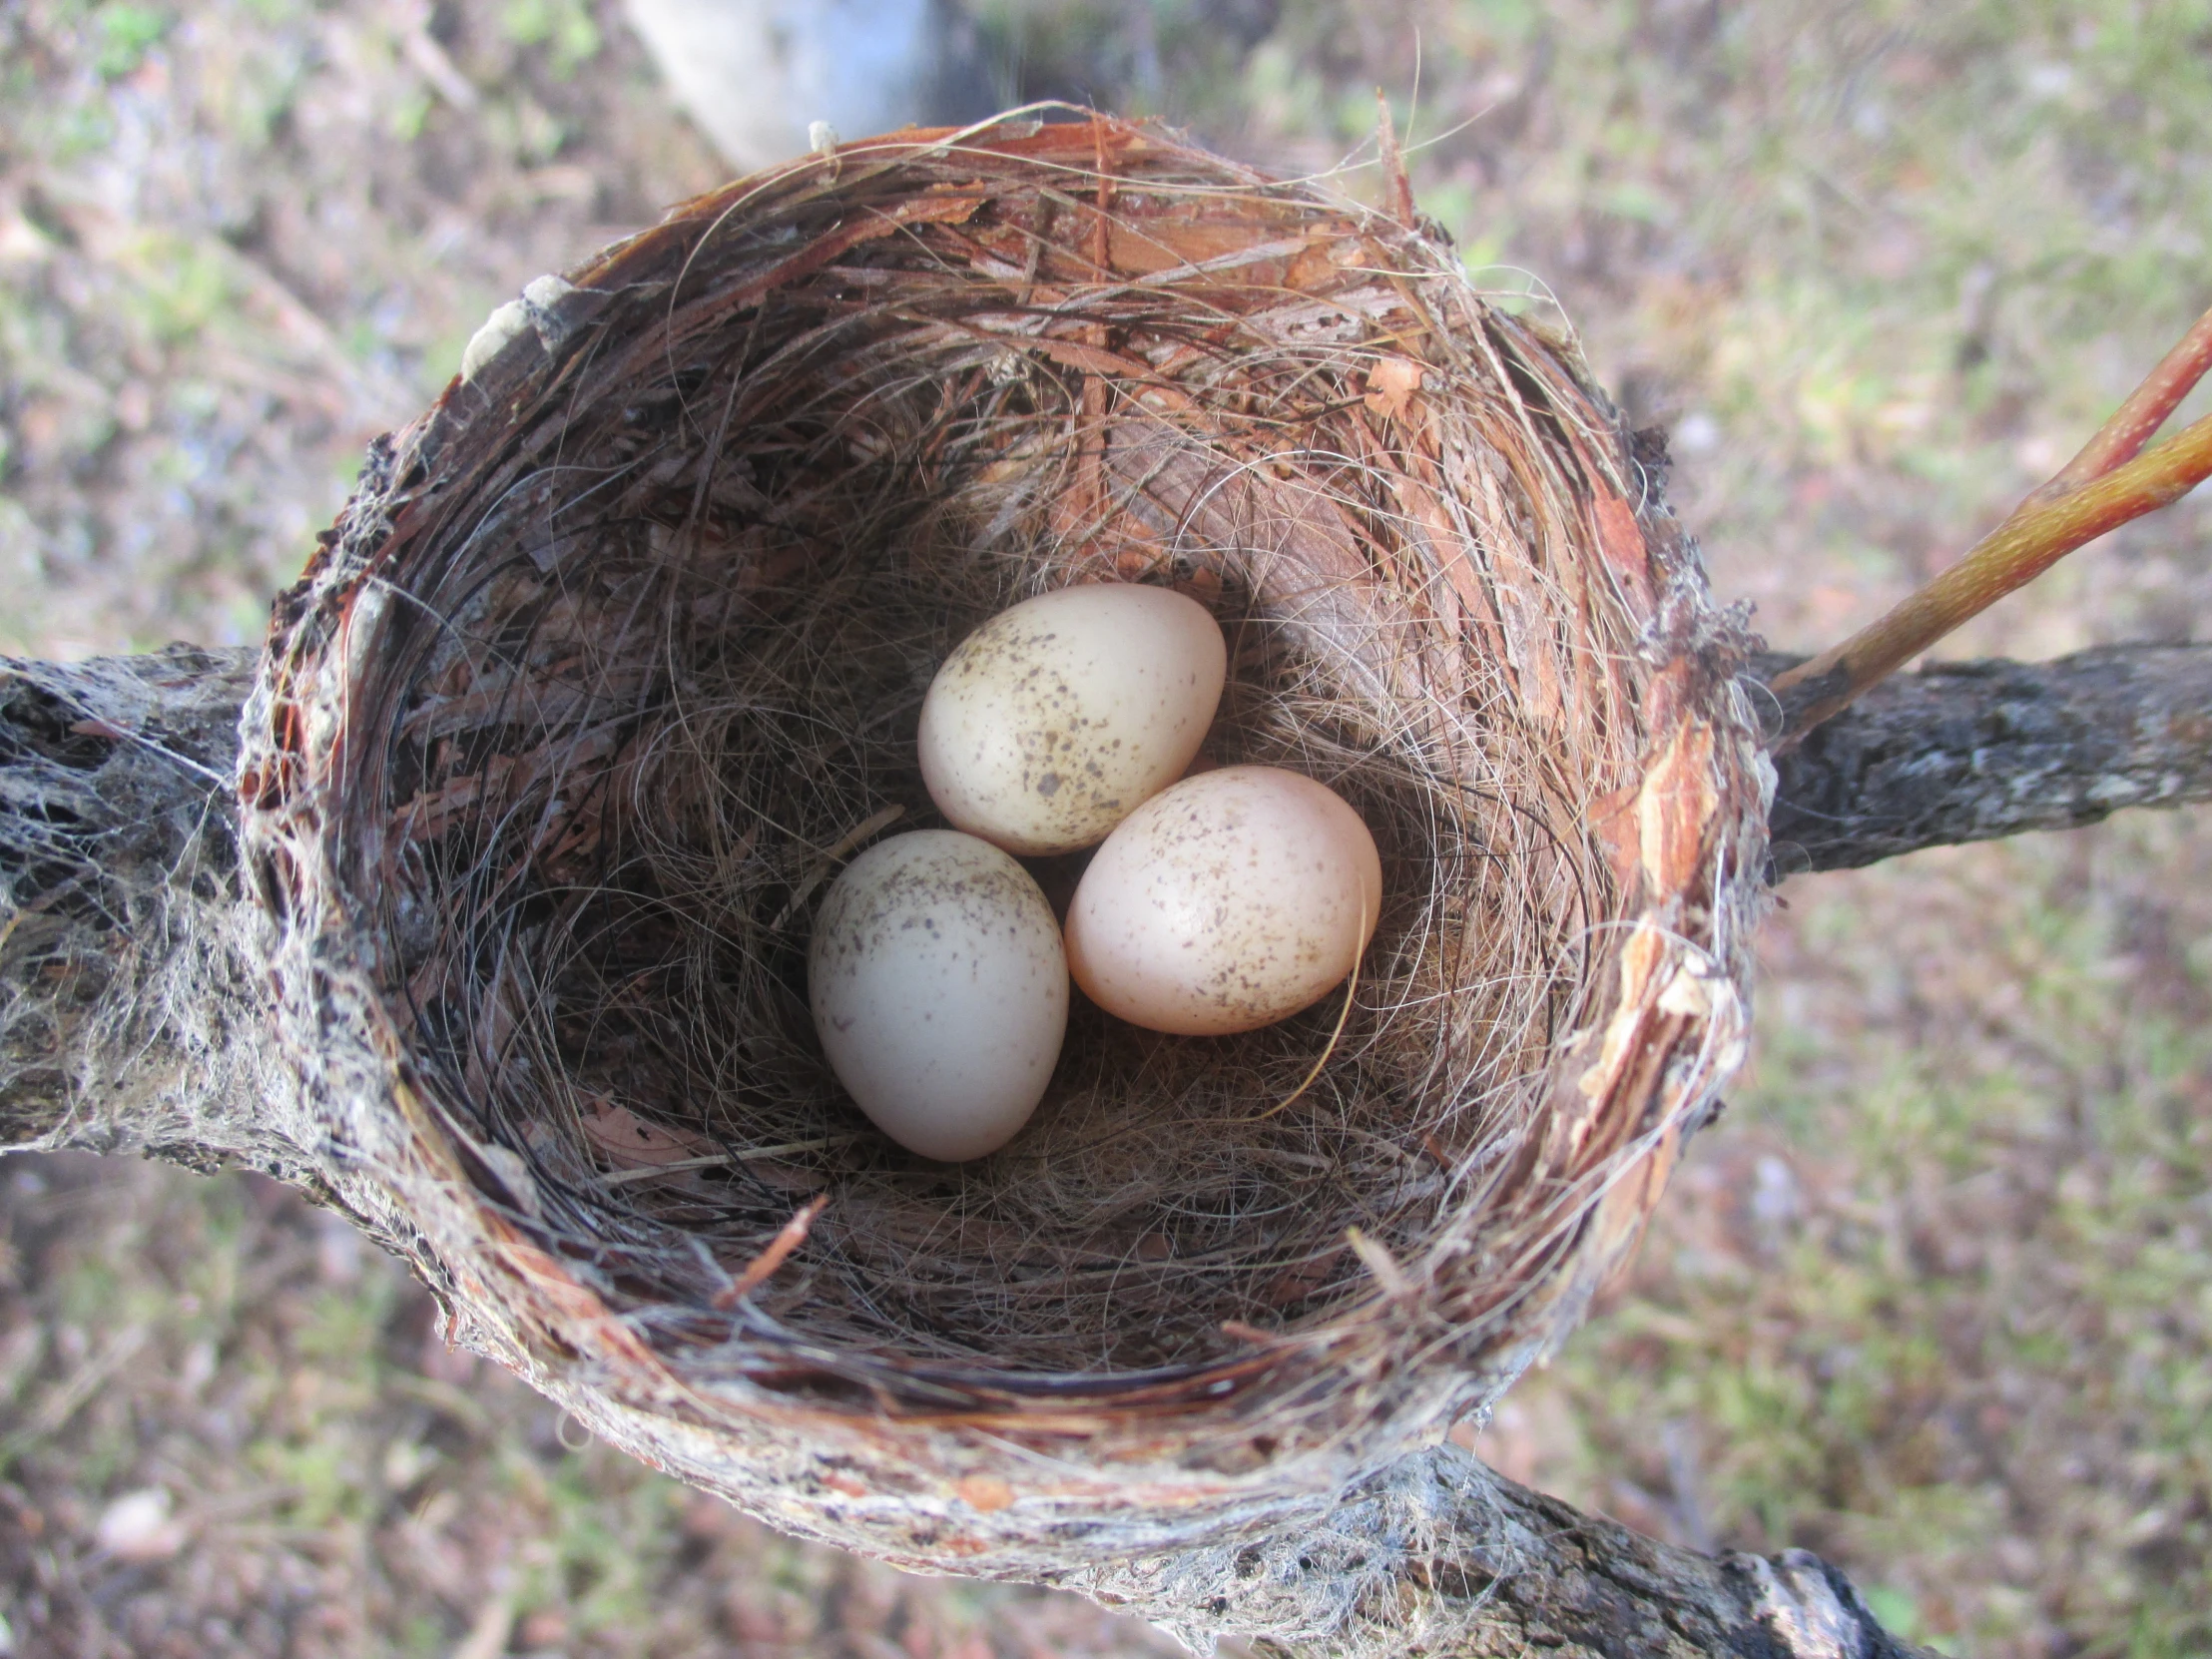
(1449, 1558)
(132, 1018)
(1971, 752)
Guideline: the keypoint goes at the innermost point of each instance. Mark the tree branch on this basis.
(2111, 481)
(130, 1019)
(1969, 751)
(1440, 1556)
(119, 904)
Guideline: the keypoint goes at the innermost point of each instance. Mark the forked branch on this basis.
(2104, 486)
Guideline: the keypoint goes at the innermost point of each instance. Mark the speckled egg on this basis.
(1228, 902)
(1056, 719)
(939, 990)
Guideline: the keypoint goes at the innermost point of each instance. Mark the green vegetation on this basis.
(126, 34)
(1941, 1306)
(565, 28)
(237, 240)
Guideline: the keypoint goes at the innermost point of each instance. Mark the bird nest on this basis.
(620, 650)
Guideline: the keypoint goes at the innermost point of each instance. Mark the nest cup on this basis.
(620, 652)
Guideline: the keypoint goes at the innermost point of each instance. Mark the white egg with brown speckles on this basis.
(1057, 719)
(1227, 903)
(939, 989)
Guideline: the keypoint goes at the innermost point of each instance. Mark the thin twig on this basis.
(646, 1172)
(2122, 439)
(746, 1155)
(2104, 486)
(777, 1253)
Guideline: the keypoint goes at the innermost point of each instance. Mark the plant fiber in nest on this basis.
(620, 649)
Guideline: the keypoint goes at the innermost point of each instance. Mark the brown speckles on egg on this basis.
(1230, 901)
(939, 990)
(1047, 722)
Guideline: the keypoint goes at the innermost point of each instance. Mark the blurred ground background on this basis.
(1934, 1299)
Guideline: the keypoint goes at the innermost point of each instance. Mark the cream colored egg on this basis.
(1227, 903)
(939, 990)
(1052, 722)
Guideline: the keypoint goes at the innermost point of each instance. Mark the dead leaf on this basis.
(1391, 385)
(631, 1143)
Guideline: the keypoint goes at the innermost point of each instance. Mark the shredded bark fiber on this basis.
(620, 650)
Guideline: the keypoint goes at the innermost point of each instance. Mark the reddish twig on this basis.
(1393, 165)
(777, 1253)
(2122, 439)
(2104, 486)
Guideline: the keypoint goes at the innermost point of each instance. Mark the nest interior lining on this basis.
(666, 656)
